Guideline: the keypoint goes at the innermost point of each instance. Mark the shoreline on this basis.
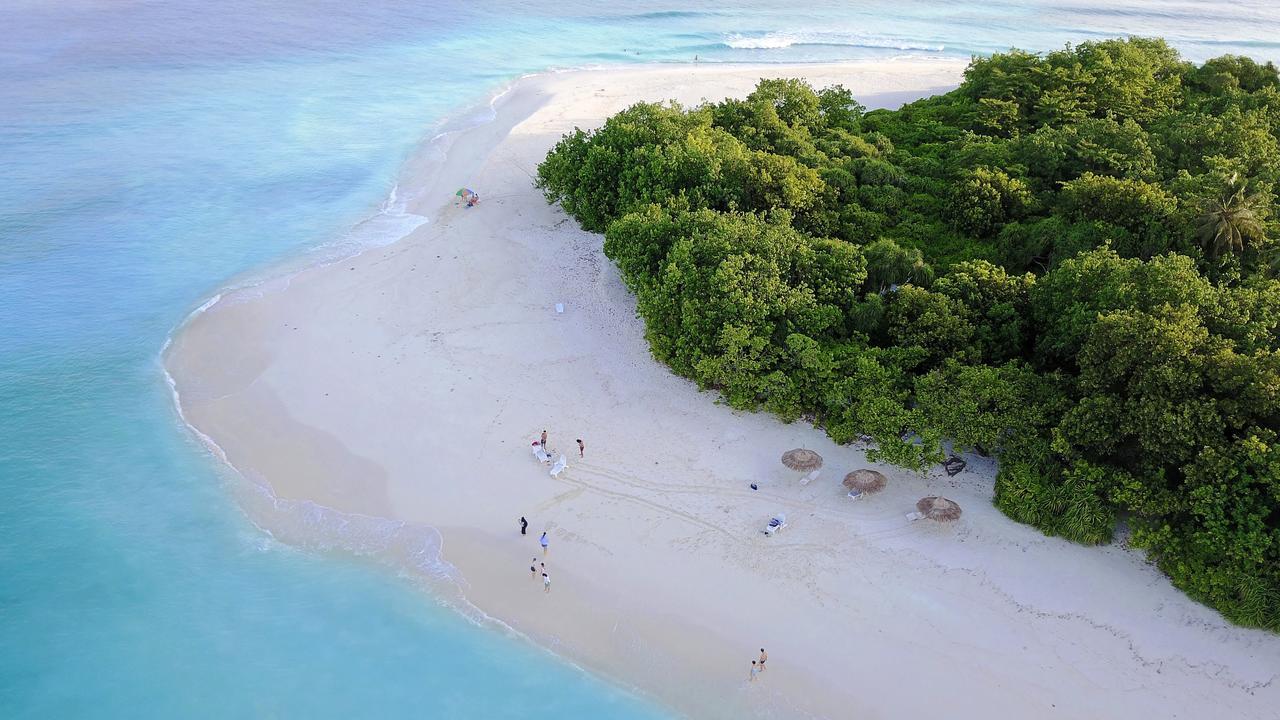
(331, 251)
(634, 541)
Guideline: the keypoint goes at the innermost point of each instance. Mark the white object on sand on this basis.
(541, 454)
(559, 308)
(855, 494)
(776, 523)
(914, 516)
(560, 465)
(810, 477)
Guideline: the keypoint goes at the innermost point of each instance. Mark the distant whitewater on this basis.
(780, 40)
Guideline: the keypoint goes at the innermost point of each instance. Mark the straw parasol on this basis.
(865, 481)
(938, 508)
(802, 460)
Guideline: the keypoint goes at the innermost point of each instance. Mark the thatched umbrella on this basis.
(802, 460)
(938, 508)
(865, 481)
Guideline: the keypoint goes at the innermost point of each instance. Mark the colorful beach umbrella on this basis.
(463, 192)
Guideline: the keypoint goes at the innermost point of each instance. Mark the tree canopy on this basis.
(1069, 261)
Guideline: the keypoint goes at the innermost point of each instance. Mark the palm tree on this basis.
(888, 264)
(1232, 220)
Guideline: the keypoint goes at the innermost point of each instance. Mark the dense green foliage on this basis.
(1069, 261)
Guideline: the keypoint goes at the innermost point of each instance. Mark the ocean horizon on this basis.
(156, 155)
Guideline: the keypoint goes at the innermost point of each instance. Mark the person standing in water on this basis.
(582, 449)
(543, 542)
(524, 525)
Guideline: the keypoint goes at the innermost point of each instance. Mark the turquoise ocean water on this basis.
(151, 151)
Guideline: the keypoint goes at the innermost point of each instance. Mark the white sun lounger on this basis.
(541, 454)
(776, 523)
(914, 516)
(560, 465)
(810, 477)
(855, 494)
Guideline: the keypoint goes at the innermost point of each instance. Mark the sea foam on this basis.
(781, 40)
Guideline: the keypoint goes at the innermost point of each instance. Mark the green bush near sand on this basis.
(1069, 261)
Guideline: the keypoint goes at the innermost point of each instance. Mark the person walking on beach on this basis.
(582, 449)
(546, 583)
(763, 657)
(543, 542)
(755, 670)
(524, 525)
(533, 568)
(543, 441)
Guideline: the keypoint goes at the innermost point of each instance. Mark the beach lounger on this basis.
(856, 494)
(541, 454)
(560, 465)
(810, 477)
(776, 523)
(914, 516)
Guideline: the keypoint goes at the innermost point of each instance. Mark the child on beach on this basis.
(546, 583)
(755, 670)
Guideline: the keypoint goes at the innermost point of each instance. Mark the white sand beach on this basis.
(408, 383)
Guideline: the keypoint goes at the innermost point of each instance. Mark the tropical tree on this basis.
(889, 264)
(985, 199)
(1232, 221)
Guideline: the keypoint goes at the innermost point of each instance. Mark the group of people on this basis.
(582, 447)
(534, 565)
(537, 567)
(757, 666)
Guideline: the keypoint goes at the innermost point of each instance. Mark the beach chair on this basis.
(560, 465)
(914, 516)
(541, 454)
(856, 494)
(776, 523)
(810, 477)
